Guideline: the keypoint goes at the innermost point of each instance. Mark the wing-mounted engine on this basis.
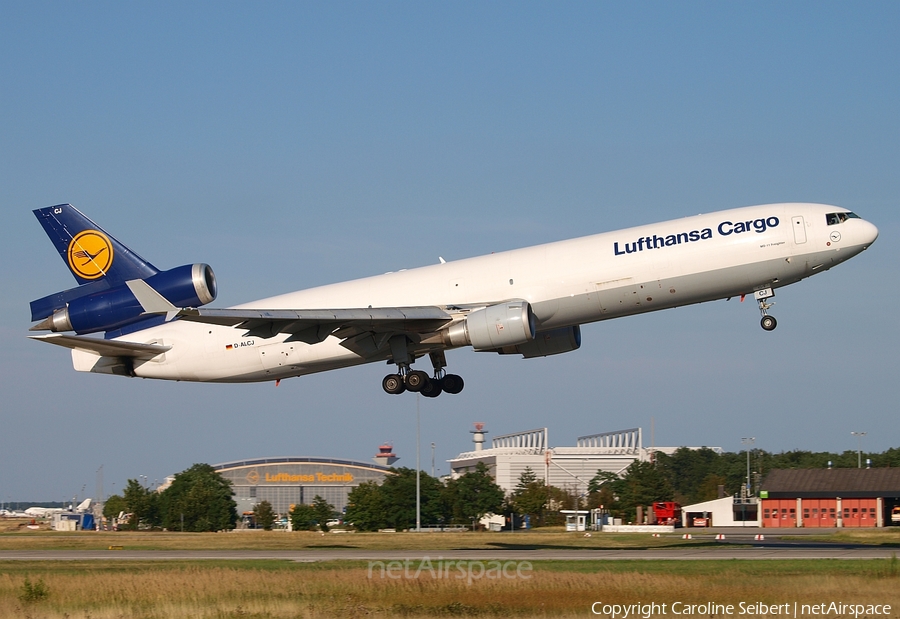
(546, 343)
(496, 326)
(191, 285)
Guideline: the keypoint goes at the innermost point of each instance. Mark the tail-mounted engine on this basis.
(191, 285)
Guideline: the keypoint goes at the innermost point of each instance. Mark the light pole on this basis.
(749, 440)
(432, 459)
(858, 436)
(418, 469)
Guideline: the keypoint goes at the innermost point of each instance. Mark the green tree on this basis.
(399, 494)
(114, 506)
(203, 497)
(474, 494)
(643, 484)
(264, 515)
(686, 469)
(303, 517)
(601, 493)
(709, 488)
(324, 511)
(142, 504)
(530, 496)
(366, 508)
(527, 478)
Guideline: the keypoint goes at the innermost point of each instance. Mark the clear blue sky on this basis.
(297, 144)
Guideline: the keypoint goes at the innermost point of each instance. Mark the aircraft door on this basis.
(799, 226)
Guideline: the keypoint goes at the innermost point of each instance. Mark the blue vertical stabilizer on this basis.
(89, 252)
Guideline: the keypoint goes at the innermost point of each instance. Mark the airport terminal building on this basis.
(288, 481)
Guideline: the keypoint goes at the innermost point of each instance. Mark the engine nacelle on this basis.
(191, 285)
(495, 326)
(546, 343)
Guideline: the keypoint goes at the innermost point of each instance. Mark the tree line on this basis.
(200, 499)
(686, 476)
(696, 475)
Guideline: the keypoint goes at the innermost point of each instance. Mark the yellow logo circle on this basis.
(90, 254)
(253, 476)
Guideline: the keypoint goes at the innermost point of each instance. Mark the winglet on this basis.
(150, 299)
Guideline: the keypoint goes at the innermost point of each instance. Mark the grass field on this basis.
(281, 540)
(282, 589)
(275, 589)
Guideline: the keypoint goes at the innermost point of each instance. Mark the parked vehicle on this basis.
(667, 512)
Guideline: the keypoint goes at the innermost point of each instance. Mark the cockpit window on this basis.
(839, 218)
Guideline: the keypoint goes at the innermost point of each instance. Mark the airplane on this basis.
(528, 301)
(42, 512)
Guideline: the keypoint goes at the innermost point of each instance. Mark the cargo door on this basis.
(799, 226)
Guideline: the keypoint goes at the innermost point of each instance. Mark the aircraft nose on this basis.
(869, 233)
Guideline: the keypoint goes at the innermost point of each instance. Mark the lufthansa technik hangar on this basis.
(284, 482)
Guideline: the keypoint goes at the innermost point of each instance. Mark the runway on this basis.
(726, 552)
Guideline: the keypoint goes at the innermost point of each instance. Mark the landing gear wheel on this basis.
(416, 380)
(452, 383)
(768, 323)
(393, 384)
(432, 388)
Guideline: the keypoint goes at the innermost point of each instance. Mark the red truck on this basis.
(667, 512)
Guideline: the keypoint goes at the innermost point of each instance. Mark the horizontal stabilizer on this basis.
(104, 348)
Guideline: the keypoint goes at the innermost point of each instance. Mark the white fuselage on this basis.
(608, 275)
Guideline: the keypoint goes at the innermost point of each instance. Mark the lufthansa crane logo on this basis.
(90, 254)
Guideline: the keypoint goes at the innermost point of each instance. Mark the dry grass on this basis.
(284, 590)
(17, 525)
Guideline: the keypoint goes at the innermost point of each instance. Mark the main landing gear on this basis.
(766, 322)
(418, 381)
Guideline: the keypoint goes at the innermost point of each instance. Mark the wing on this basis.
(313, 326)
(104, 348)
(363, 330)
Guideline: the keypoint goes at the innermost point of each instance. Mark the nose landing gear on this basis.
(766, 322)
